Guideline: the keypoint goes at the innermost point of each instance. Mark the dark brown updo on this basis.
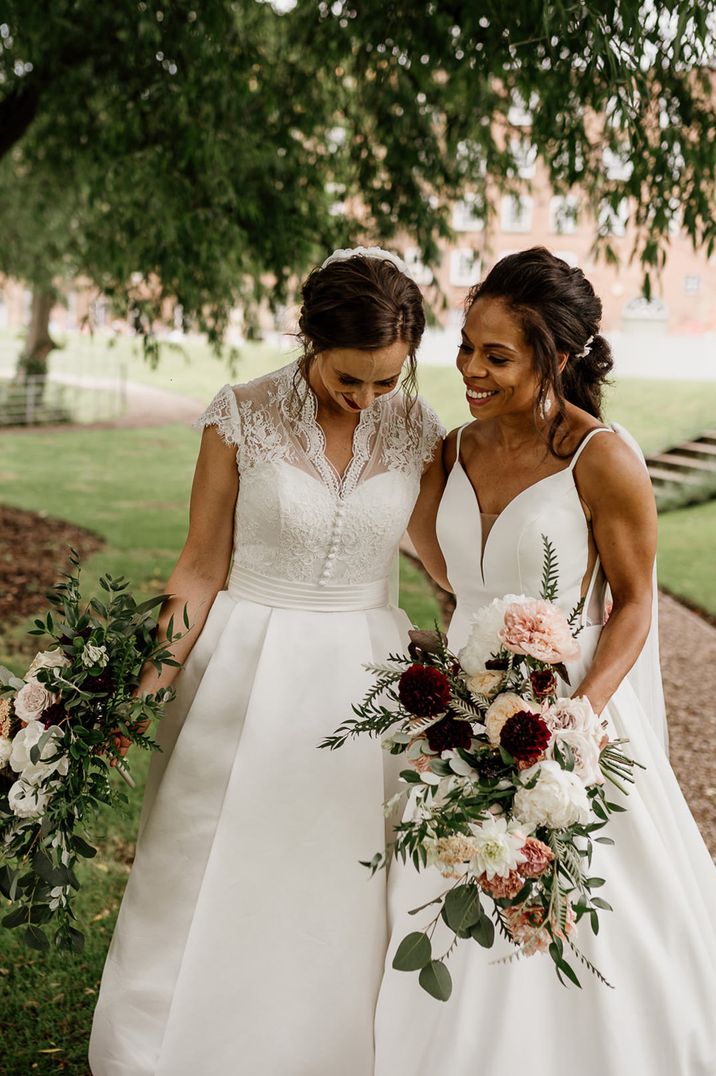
(363, 303)
(558, 312)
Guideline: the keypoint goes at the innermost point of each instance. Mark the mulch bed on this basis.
(33, 553)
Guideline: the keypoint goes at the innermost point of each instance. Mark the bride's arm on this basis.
(421, 527)
(203, 564)
(615, 486)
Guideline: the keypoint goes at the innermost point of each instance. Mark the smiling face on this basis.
(496, 362)
(352, 379)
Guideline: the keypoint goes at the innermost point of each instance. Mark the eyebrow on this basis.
(351, 377)
(490, 344)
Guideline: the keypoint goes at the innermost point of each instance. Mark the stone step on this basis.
(702, 447)
(690, 463)
(679, 478)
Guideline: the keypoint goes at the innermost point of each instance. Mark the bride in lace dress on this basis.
(537, 460)
(249, 939)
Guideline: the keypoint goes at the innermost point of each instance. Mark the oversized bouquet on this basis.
(59, 727)
(508, 782)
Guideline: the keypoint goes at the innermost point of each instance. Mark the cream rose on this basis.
(558, 799)
(25, 740)
(574, 715)
(485, 683)
(585, 750)
(47, 659)
(31, 700)
(502, 709)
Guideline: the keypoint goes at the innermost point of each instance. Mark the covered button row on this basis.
(332, 548)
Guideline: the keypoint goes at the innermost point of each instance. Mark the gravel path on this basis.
(688, 664)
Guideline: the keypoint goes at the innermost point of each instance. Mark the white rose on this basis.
(501, 710)
(48, 659)
(485, 683)
(497, 847)
(586, 754)
(25, 800)
(558, 800)
(5, 750)
(31, 700)
(483, 639)
(22, 745)
(575, 715)
(94, 655)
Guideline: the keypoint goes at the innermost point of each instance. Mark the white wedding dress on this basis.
(658, 946)
(250, 940)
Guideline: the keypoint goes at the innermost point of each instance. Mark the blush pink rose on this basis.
(539, 629)
(31, 700)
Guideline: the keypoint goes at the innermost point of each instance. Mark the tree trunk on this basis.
(31, 369)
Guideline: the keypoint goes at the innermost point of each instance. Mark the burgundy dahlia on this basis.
(490, 765)
(449, 733)
(544, 683)
(525, 736)
(497, 663)
(424, 690)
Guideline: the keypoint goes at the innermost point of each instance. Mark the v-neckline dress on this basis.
(658, 946)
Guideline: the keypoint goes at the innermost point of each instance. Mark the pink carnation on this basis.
(499, 887)
(538, 858)
(524, 922)
(539, 629)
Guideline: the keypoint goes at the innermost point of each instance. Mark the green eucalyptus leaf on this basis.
(413, 953)
(436, 980)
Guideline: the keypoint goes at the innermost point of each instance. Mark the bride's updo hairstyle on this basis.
(364, 303)
(559, 313)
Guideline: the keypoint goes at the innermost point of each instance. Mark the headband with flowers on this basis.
(345, 253)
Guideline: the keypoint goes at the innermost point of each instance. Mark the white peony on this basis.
(94, 655)
(5, 750)
(22, 745)
(501, 710)
(48, 659)
(497, 847)
(31, 700)
(558, 800)
(484, 639)
(26, 800)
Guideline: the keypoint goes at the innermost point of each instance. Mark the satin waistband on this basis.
(291, 594)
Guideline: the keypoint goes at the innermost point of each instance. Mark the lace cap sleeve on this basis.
(432, 432)
(223, 412)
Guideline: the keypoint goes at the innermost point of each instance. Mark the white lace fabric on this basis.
(296, 518)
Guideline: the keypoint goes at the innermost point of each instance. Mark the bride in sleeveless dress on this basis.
(538, 460)
(248, 940)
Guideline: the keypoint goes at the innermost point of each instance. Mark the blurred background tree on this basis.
(207, 152)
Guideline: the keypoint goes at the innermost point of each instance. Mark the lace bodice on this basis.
(296, 518)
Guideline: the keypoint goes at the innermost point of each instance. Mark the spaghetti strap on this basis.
(585, 441)
(457, 442)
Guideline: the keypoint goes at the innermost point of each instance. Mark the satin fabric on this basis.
(658, 946)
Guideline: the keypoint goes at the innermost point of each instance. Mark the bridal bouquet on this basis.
(58, 730)
(508, 780)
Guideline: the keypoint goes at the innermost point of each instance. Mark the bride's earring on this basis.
(546, 406)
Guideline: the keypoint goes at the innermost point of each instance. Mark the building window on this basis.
(614, 221)
(516, 213)
(464, 267)
(525, 155)
(692, 284)
(416, 267)
(465, 217)
(563, 212)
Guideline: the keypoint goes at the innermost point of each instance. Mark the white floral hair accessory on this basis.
(585, 350)
(345, 253)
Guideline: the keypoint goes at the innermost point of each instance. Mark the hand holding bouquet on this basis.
(508, 781)
(59, 731)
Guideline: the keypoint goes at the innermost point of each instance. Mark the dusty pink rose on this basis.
(499, 888)
(539, 629)
(539, 857)
(31, 700)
